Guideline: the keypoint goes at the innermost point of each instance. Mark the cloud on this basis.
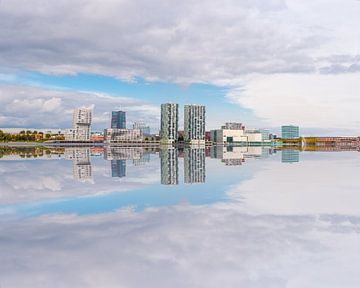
(26, 106)
(192, 41)
(307, 100)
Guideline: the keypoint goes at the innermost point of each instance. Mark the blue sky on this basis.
(152, 92)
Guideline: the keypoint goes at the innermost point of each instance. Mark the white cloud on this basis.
(310, 100)
(186, 42)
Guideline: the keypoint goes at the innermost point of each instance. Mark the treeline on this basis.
(27, 136)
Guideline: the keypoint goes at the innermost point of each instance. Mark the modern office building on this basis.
(118, 119)
(142, 127)
(118, 168)
(82, 118)
(290, 156)
(113, 136)
(169, 166)
(290, 132)
(169, 122)
(194, 165)
(194, 124)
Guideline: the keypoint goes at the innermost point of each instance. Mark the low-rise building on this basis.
(235, 133)
(122, 135)
(254, 136)
(228, 136)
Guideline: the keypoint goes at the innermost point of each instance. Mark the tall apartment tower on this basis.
(169, 122)
(118, 120)
(81, 125)
(194, 124)
(82, 118)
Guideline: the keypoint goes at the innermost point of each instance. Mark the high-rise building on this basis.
(81, 125)
(169, 166)
(194, 124)
(290, 132)
(118, 119)
(169, 122)
(194, 165)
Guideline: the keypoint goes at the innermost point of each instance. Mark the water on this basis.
(214, 217)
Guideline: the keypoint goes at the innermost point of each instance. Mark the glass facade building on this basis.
(118, 120)
(290, 132)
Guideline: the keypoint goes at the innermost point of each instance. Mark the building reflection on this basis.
(80, 156)
(194, 165)
(118, 168)
(236, 155)
(290, 156)
(169, 166)
(194, 159)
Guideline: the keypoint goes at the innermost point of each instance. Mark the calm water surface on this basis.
(214, 217)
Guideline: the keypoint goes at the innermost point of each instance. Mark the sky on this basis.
(262, 63)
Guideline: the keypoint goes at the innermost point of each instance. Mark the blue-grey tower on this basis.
(118, 120)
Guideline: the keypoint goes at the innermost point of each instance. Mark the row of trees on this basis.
(27, 136)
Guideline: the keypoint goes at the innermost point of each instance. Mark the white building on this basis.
(114, 135)
(253, 136)
(82, 118)
(169, 122)
(229, 136)
(194, 124)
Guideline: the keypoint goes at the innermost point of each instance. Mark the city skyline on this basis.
(291, 62)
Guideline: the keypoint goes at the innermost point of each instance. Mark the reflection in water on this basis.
(261, 224)
(235, 155)
(290, 156)
(118, 168)
(81, 162)
(169, 166)
(194, 165)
